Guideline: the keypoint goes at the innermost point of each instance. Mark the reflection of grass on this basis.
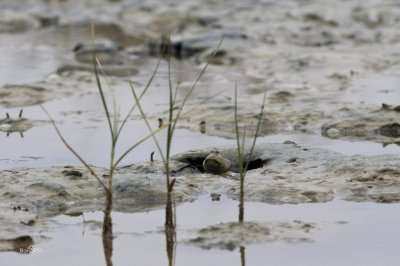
(174, 113)
(244, 160)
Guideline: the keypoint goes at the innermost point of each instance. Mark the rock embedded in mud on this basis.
(333, 132)
(281, 96)
(185, 47)
(215, 196)
(106, 51)
(48, 20)
(216, 164)
(391, 130)
(73, 174)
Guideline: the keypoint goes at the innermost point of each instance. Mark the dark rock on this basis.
(391, 130)
(48, 20)
(106, 51)
(386, 106)
(184, 47)
(215, 196)
(73, 174)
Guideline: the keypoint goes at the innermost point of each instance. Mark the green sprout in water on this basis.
(243, 160)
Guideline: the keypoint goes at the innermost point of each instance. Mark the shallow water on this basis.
(376, 90)
(347, 234)
(40, 146)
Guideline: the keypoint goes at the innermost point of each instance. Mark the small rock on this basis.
(290, 142)
(215, 196)
(106, 51)
(333, 132)
(391, 130)
(47, 20)
(73, 174)
(292, 160)
(216, 164)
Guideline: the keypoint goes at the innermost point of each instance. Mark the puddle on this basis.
(340, 146)
(92, 143)
(40, 145)
(376, 90)
(82, 121)
(346, 234)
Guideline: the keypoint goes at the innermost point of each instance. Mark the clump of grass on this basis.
(115, 127)
(244, 160)
(174, 114)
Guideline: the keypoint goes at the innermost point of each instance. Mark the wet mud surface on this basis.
(286, 174)
(330, 69)
(316, 66)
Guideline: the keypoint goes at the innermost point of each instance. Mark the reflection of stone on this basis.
(10, 125)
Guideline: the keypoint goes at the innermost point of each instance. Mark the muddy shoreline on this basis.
(331, 72)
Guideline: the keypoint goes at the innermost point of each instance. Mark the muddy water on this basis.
(347, 234)
(40, 145)
(285, 59)
(376, 90)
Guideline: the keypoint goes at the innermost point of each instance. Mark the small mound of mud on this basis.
(15, 95)
(232, 235)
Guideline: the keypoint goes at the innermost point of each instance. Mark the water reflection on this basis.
(170, 237)
(107, 234)
(242, 256)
